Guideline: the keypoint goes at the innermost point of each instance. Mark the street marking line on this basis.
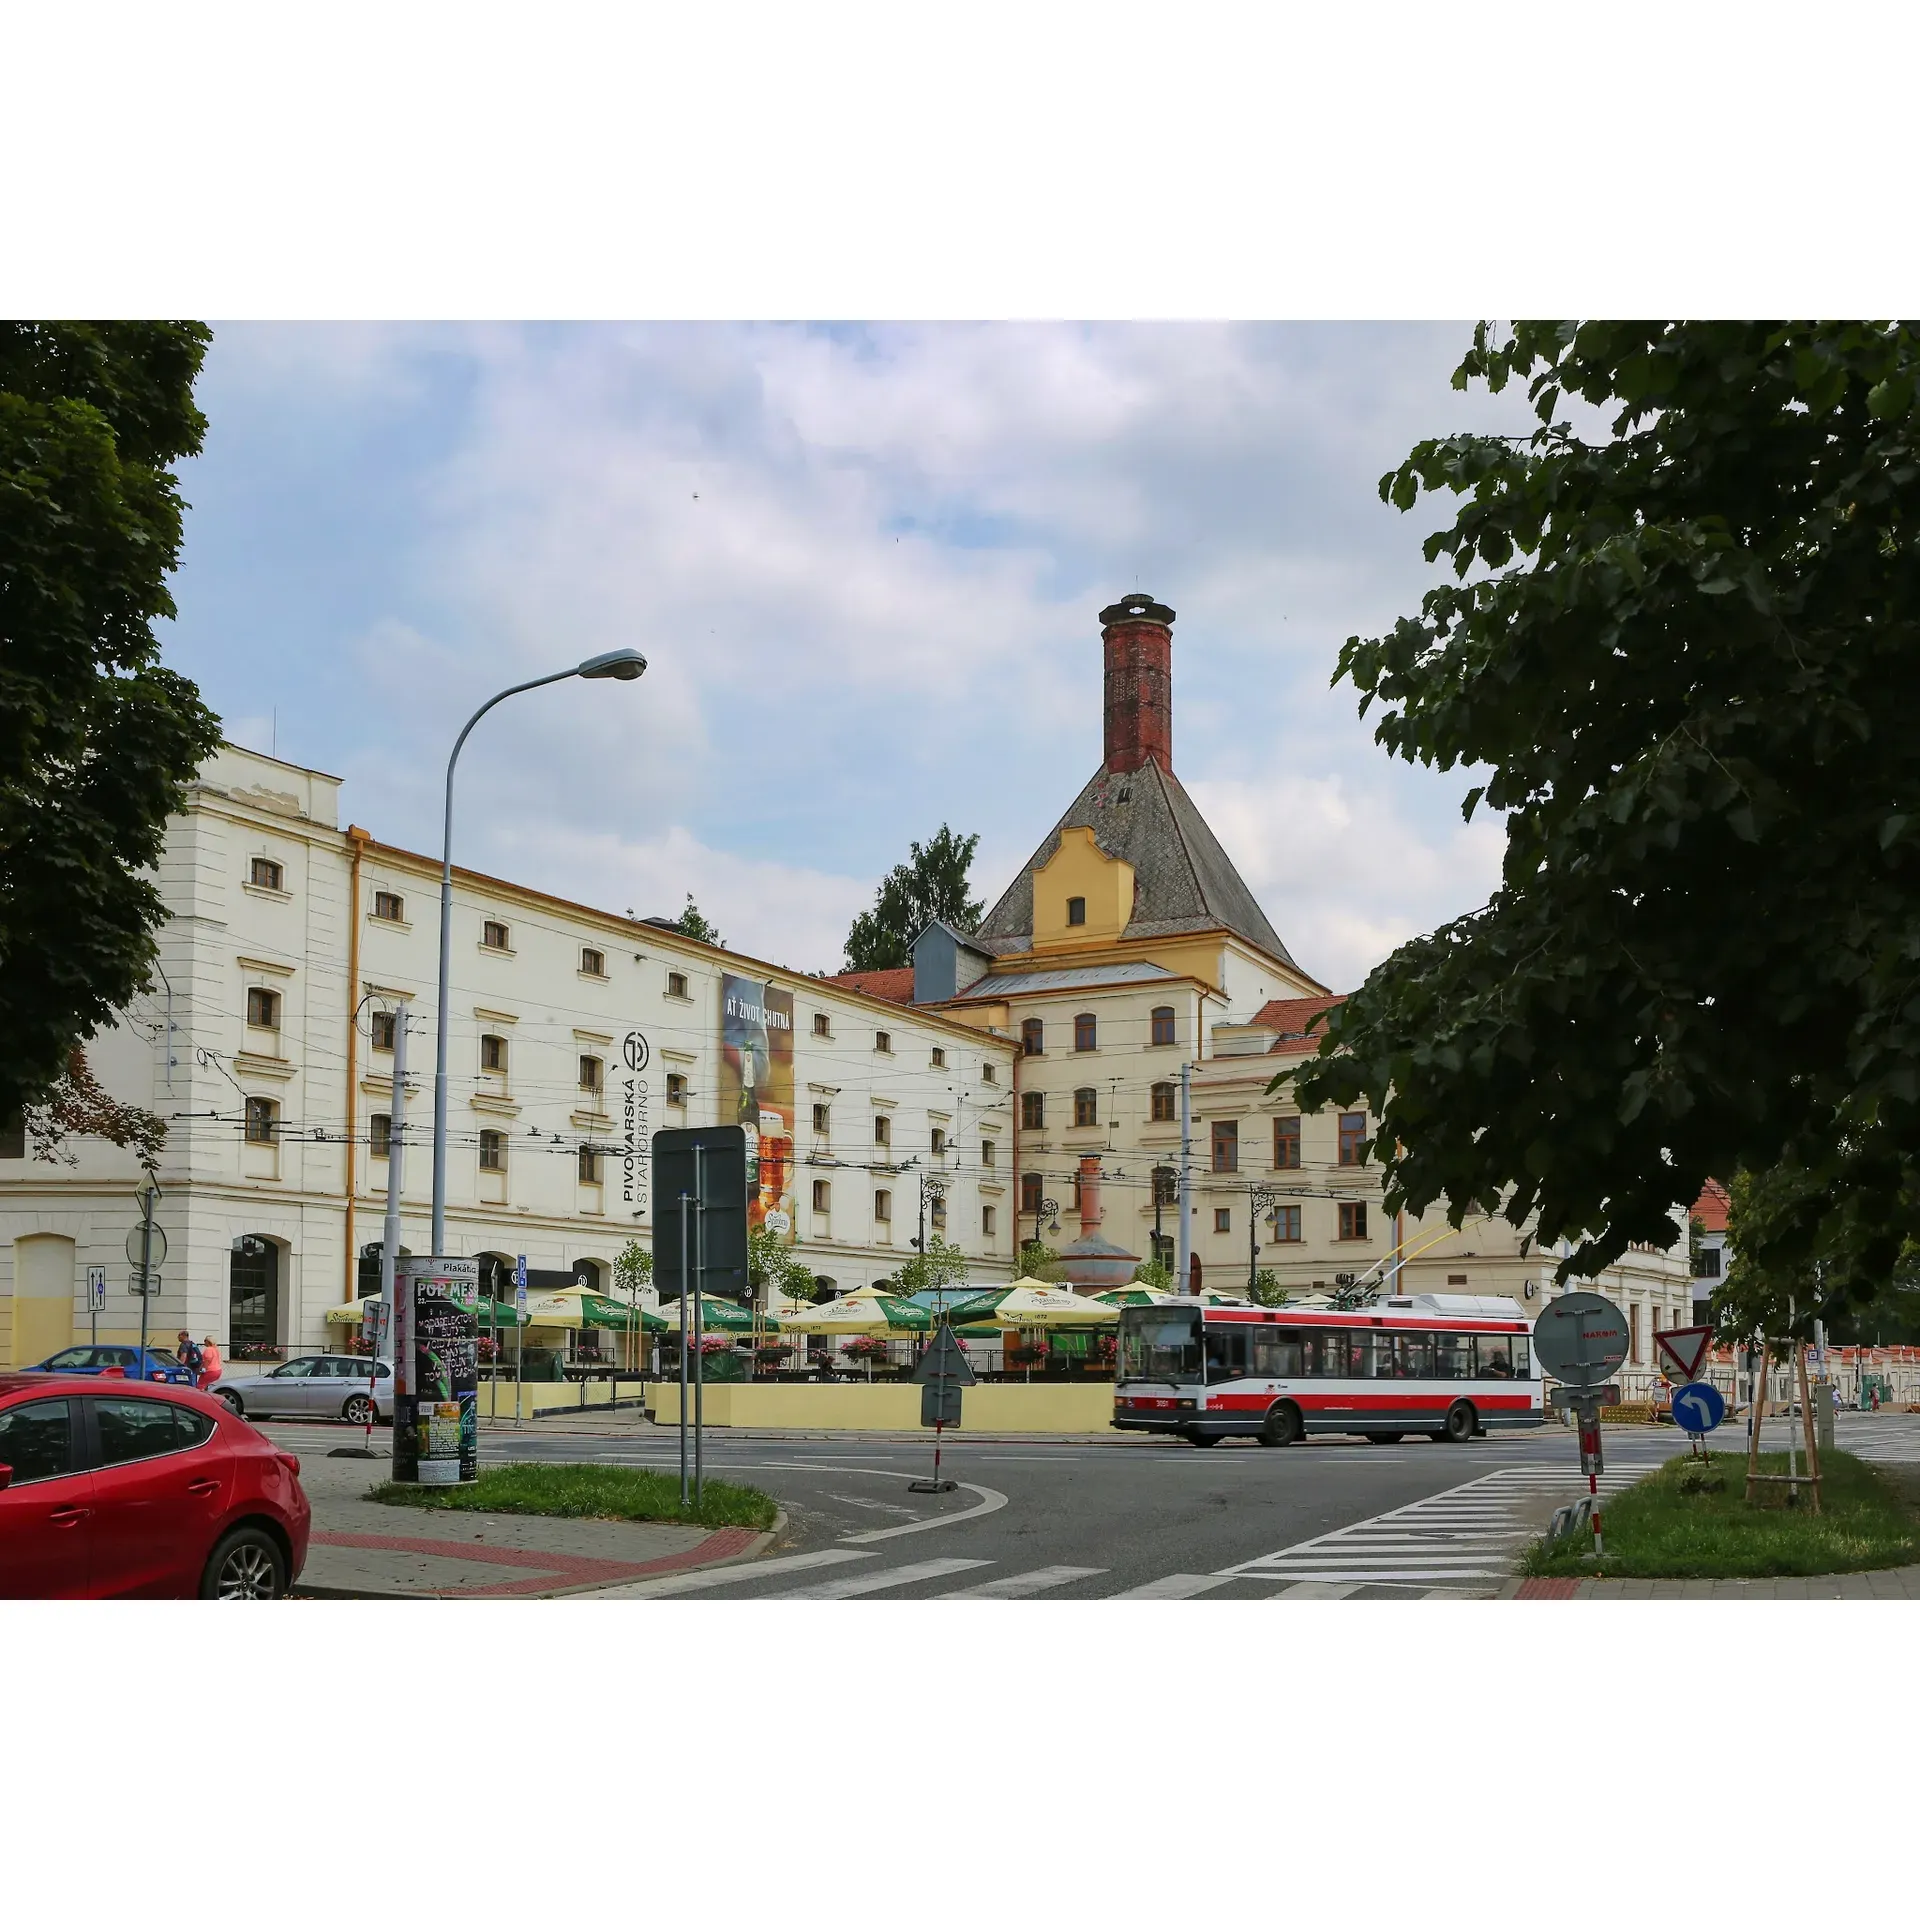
(1313, 1590)
(856, 1584)
(1017, 1586)
(988, 1502)
(1174, 1586)
(723, 1576)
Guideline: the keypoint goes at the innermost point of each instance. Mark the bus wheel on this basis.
(1385, 1439)
(1282, 1426)
(1203, 1439)
(1461, 1424)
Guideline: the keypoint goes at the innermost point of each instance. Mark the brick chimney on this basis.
(1137, 638)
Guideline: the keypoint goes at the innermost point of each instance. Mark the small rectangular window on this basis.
(677, 986)
(882, 1130)
(493, 933)
(883, 1205)
(1166, 1185)
(1706, 1264)
(389, 906)
(1086, 1107)
(1286, 1224)
(266, 873)
(493, 1151)
(589, 1073)
(1163, 1101)
(1085, 1032)
(822, 1117)
(1223, 1219)
(263, 1007)
(1033, 1037)
(381, 1026)
(1033, 1111)
(382, 1143)
(1226, 1146)
(939, 1057)
(986, 1153)
(990, 1074)
(1353, 1219)
(1077, 911)
(493, 1053)
(822, 1196)
(593, 961)
(261, 1115)
(988, 1221)
(1353, 1137)
(883, 1043)
(937, 1212)
(937, 1140)
(589, 1167)
(676, 1089)
(1286, 1142)
(822, 1027)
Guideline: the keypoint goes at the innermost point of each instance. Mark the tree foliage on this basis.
(930, 885)
(97, 739)
(1038, 1261)
(1685, 651)
(1267, 1290)
(1154, 1273)
(696, 926)
(942, 1265)
(772, 1266)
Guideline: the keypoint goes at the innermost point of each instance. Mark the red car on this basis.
(118, 1489)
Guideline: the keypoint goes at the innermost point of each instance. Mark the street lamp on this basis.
(622, 664)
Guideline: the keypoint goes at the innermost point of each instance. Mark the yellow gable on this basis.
(1078, 872)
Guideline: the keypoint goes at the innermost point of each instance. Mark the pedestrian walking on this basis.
(209, 1363)
(189, 1355)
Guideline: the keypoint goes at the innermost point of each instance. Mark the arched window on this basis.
(1163, 1026)
(1083, 1033)
(1086, 1107)
(1163, 1108)
(1033, 1037)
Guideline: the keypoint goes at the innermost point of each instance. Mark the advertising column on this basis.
(436, 1360)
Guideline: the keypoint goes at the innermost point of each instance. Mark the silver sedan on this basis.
(328, 1386)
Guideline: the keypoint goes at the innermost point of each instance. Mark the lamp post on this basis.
(1259, 1200)
(623, 664)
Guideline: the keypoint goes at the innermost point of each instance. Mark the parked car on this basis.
(156, 1365)
(121, 1489)
(330, 1386)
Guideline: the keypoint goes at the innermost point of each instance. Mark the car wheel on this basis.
(1385, 1439)
(233, 1401)
(246, 1565)
(358, 1411)
(1282, 1426)
(1461, 1424)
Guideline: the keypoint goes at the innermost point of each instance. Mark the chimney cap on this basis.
(1136, 606)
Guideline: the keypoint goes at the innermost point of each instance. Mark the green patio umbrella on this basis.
(584, 1309)
(716, 1316)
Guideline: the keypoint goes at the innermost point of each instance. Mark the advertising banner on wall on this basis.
(756, 1090)
(636, 1124)
(436, 1357)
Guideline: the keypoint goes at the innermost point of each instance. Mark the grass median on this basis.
(587, 1492)
(1689, 1522)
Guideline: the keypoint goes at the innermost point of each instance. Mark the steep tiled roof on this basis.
(1711, 1208)
(1183, 880)
(1288, 1019)
(882, 983)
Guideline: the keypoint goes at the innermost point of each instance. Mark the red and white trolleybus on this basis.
(1409, 1363)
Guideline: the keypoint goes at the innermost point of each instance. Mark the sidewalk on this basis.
(1888, 1583)
(363, 1551)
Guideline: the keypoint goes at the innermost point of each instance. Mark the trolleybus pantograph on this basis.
(1408, 1363)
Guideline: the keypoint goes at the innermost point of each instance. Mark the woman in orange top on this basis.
(209, 1363)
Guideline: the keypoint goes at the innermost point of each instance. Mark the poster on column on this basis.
(756, 1092)
(436, 1437)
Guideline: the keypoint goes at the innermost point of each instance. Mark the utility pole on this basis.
(149, 1196)
(1183, 1282)
(396, 1158)
(1161, 1251)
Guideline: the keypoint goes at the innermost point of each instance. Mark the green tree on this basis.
(97, 739)
(1684, 648)
(773, 1267)
(632, 1270)
(696, 926)
(1266, 1290)
(942, 1265)
(1037, 1261)
(930, 885)
(1154, 1273)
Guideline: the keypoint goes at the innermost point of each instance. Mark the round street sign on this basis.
(1581, 1338)
(1698, 1407)
(135, 1235)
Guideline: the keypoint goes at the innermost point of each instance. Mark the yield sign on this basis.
(1683, 1351)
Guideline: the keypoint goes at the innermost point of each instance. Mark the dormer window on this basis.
(1077, 910)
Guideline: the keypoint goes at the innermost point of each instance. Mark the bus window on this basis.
(1453, 1356)
(1412, 1355)
(1276, 1353)
(1226, 1353)
(1360, 1352)
(1325, 1353)
(1160, 1343)
(1520, 1370)
(1493, 1356)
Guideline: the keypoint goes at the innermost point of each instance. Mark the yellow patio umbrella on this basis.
(865, 1310)
(1034, 1306)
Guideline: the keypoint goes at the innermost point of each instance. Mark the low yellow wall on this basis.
(854, 1407)
(536, 1395)
(40, 1329)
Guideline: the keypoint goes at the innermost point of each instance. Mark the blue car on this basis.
(157, 1366)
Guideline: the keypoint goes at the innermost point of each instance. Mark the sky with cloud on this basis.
(865, 564)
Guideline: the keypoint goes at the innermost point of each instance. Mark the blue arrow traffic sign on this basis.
(1698, 1408)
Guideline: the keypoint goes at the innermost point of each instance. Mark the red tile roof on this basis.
(882, 983)
(1289, 1020)
(1711, 1208)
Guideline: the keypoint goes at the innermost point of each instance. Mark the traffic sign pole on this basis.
(1582, 1339)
